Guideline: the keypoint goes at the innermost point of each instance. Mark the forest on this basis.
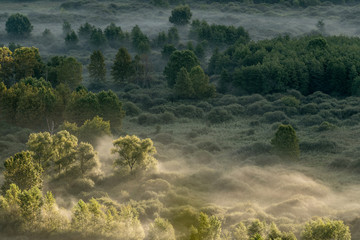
(179, 119)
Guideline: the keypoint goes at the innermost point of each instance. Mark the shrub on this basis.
(340, 163)
(259, 108)
(205, 106)
(310, 108)
(218, 115)
(189, 111)
(147, 119)
(235, 109)
(285, 142)
(167, 117)
(226, 100)
(81, 185)
(326, 126)
(312, 120)
(251, 99)
(277, 116)
(290, 101)
(209, 146)
(131, 109)
(323, 145)
(164, 138)
(255, 149)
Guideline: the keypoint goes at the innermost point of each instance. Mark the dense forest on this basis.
(168, 119)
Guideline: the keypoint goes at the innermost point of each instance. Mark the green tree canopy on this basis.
(180, 15)
(326, 229)
(97, 68)
(18, 25)
(122, 68)
(134, 153)
(178, 60)
(22, 170)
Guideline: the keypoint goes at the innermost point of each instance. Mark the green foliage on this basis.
(139, 40)
(23, 171)
(41, 144)
(285, 142)
(66, 28)
(114, 35)
(69, 72)
(218, 115)
(97, 68)
(208, 228)
(134, 153)
(325, 229)
(307, 64)
(85, 30)
(183, 87)
(180, 15)
(179, 59)
(18, 25)
(71, 39)
(161, 229)
(27, 62)
(97, 38)
(122, 68)
(200, 83)
(219, 34)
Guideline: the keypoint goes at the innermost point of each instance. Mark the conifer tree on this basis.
(97, 68)
(183, 86)
(122, 68)
(285, 142)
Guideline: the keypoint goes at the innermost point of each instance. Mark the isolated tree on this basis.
(178, 60)
(161, 229)
(71, 39)
(69, 72)
(134, 153)
(183, 87)
(122, 68)
(285, 142)
(180, 15)
(22, 170)
(18, 25)
(97, 68)
(325, 229)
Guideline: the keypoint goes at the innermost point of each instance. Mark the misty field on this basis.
(240, 122)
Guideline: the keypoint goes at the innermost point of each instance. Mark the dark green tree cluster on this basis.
(290, 3)
(114, 35)
(193, 84)
(163, 38)
(64, 70)
(139, 40)
(18, 25)
(33, 103)
(180, 15)
(307, 64)
(219, 34)
(23, 62)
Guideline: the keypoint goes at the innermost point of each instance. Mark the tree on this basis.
(161, 229)
(85, 30)
(6, 63)
(122, 68)
(110, 109)
(42, 146)
(325, 229)
(200, 83)
(71, 39)
(139, 40)
(22, 170)
(180, 15)
(208, 228)
(18, 25)
(285, 142)
(66, 28)
(94, 129)
(86, 158)
(65, 150)
(134, 153)
(97, 38)
(183, 87)
(178, 60)
(27, 62)
(114, 35)
(256, 229)
(97, 69)
(69, 72)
